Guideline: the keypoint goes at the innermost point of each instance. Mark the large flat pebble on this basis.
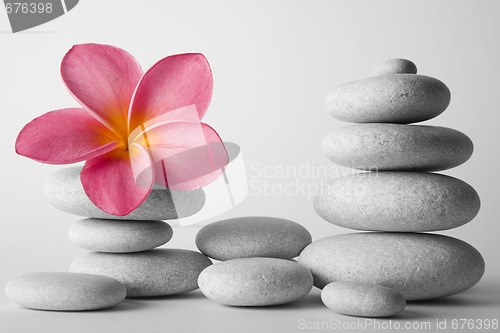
(361, 299)
(252, 236)
(65, 192)
(397, 201)
(392, 98)
(62, 291)
(397, 147)
(420, 266)
(156, 272)
(119, 236)
(255, 282)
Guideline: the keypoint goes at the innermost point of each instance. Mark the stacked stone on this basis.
(372, 273)
(125, 260)
(257, 267)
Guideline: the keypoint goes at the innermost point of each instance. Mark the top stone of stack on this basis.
(396, 66)
(64, 191)
(396, 94)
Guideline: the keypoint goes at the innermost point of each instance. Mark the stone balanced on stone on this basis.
(257, 267)
(126, 249)
(398, 199)
(125, 261)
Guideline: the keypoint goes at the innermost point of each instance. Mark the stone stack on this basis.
(398, 198)
(126, 251)
(257, 267)
(125, 260)
(125, 248)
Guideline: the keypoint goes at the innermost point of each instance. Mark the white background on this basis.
(273, 64)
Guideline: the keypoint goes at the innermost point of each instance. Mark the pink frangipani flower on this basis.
(134, 128)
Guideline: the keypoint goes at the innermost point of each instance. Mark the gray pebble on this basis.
(398, 98)
(397, 201)
(397, 147)
(361, 299)
(396, 66)
(252, 236)
(65, 192)
(155, 272)
(119, 236)
(418, 265)
(255, 282)
(62, 291)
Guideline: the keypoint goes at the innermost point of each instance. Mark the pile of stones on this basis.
(124, 261)
(257, 266)
(370, 274)
(256, 254)
(398, 198)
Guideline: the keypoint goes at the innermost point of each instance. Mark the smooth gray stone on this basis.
(397, 201)
(397, 147)
(119, 236)
(62, 291)
(155, 272)
(64, 191)
(420, 266)
(396, 66)
(361, 299)
(392, 98)
(255, 282)
(252, 236)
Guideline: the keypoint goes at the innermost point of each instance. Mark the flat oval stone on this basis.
(252, 236)
(65, 192)
(396, 66)
(361, 299)
(397, 201)
(119, 236)
(155, 272)
(397, 98)
(62, 291)
(420, 266)
(397, 147)
(255, 282)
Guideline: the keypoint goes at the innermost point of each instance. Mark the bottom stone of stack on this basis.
(155, 272)
(255, 282)
(420, 266)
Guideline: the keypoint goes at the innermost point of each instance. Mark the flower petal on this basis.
(102, 78)
(186, 155)
(109, 180)
(65, 136)
(187, 113)
(172, 83)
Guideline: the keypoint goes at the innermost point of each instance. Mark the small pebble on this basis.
(397, 147)
(252, 236)
(155, 272)
(396, 66)
(119, 236)
(397, 201)
(65, 192)
(364, 300)
(418, 265)
(255, 282)
(61, 291)
(401, 98)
